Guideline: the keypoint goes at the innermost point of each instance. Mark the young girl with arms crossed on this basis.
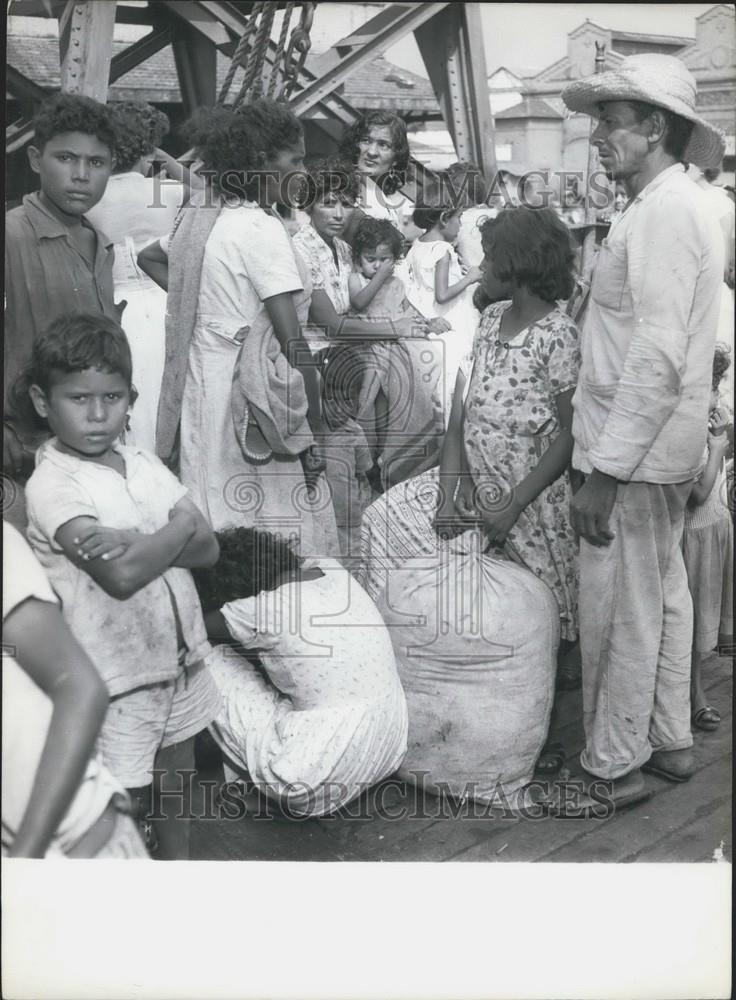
(117, 535)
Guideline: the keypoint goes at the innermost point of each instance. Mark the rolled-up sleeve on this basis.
(663, 254)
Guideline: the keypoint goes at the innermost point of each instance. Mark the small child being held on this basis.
(708, 551)
(436, 284)
(117, 535)
(393, 373)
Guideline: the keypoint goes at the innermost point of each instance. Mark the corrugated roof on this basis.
(376, 84)
(530, 107)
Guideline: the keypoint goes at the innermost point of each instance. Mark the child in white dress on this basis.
(436, 283)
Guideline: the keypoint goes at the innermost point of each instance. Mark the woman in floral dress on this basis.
(507, 451)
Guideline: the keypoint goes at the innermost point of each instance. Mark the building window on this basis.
(503, 151)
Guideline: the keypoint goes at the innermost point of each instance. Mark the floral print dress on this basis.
(510, 421)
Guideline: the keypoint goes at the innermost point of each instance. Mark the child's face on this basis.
(73, 168)
(620, 199)
(370, 260)
(451, 226)
(86, 410)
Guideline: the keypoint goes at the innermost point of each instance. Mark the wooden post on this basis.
(85, 47)
(590, 211)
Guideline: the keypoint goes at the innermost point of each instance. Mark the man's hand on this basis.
(590, 508)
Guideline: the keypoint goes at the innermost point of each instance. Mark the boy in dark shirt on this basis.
(55, 261)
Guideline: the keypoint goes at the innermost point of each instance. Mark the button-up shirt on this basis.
(641, 406)
(131, 642)
(47, 277)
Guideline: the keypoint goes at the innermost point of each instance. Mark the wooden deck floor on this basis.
(686, 822)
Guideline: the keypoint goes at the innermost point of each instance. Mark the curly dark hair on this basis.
(235, 142)
(73, 113)
(139, 129)
(360, 130)
(331, 175)
(370, 232)
(250, 561)
(721, 362)
(531, 247)
(72, 343)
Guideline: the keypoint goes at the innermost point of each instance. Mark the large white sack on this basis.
(475, 638)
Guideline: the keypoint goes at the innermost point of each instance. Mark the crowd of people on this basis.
(240, 404)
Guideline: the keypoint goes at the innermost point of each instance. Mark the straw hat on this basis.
(655, 79)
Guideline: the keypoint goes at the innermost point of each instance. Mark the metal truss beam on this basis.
(85, 47)
(451, 45)
(387, 28)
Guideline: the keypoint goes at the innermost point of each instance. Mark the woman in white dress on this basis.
(235, 284)
(134, 210)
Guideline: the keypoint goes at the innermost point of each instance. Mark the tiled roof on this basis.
(381, 84)
(530, 107)
(377, 84)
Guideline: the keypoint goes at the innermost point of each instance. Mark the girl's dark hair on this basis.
(370, 232)
(139, 129)
(73, 113)
(332, 175)
(721, 363)
(531, 247)
(72, 344)
(234, 144)
(356, 133)
(250, 561)
(435, 201)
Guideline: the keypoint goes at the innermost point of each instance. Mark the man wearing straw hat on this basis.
(640, 419)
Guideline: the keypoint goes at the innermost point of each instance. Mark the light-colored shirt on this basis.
(469, 243)
(131, 642)
(27, 712)
(248, 258)
(47, 277)
(327, 273)
(641, 406)
(135, 211)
